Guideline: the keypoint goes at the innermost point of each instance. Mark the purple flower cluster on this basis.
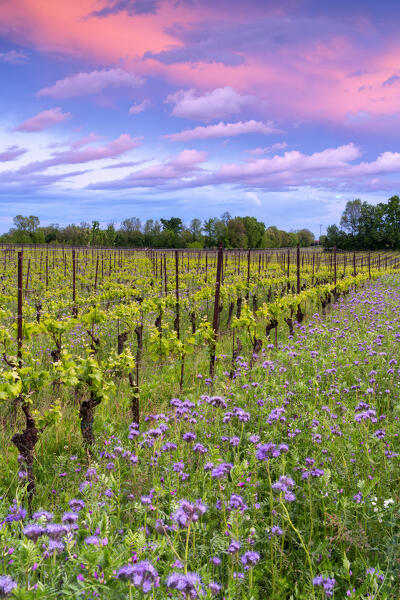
(189, 584)
(327, 583)
(216, 401)
(143, 575)
(285, 485)
(188, 513)
(270, 450)
(7, 585)
(250, 558)
(221, 470)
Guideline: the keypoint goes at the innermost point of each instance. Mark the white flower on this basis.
(388, 502)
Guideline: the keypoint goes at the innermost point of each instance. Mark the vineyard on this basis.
(198, 423)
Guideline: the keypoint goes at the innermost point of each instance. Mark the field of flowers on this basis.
(279, 482)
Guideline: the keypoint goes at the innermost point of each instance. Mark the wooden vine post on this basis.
(300, 315)
(74, 307)
(19, 309)
(298, 268)
(334, 269)
(216, 309)
(97, 272)
(248, 277)
(177, 316)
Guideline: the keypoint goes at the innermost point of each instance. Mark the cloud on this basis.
(326, 169)
(180, 167)
(287, 167)
(43, 120)
(71, 157)
(253, 198)
(218, 104)
(188, 158)
(115, 148)
(83, 84)
(268, 149)
(14, 57)
(131, 7)
(223, 130)
(138, 108)
(11, 153)
(391, 80)
(89, 139)
(387, 162)
(15, 181)
(128, 163)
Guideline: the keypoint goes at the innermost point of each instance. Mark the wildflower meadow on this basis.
(275, 478)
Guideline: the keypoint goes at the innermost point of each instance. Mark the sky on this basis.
(157, 108)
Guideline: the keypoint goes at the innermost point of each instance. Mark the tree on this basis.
(335, 237)
(271, 237)
(254, 231)
(195, 229)
(95, 235)
(237, 233)
(216, 233)
(131, 224)
(174, 224)
(305, 236)
(226, 217)
(151, 231)
(391, 222)
(26, 224)
(352, 216)
(110, 235)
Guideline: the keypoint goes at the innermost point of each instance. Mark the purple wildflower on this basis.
(327, 583)
(250, 558)
(188, 513)
(7, 585)
(55, 532)
(214, 588)
(76, 504)
(189, 584)
(69, 518)
(33, 532)
(236, 503)
(43, 514)
(143, 575)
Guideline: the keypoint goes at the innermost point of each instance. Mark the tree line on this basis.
(231, 232)
(366, 226)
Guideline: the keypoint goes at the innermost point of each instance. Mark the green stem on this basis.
(302, 544)
(187, 548)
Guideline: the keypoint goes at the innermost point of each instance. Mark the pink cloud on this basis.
(43, 120)
(83, 84)
(188, 158)
(111, 150)
(14, 57)
(329, 161)
(387, 162)
(89, 139)
(184, 164)
(268, 149)
(138, 108)
(327, 169)
(217, 104)
(115, 148)
(11, 153)
(305, 66)
(223, 130)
